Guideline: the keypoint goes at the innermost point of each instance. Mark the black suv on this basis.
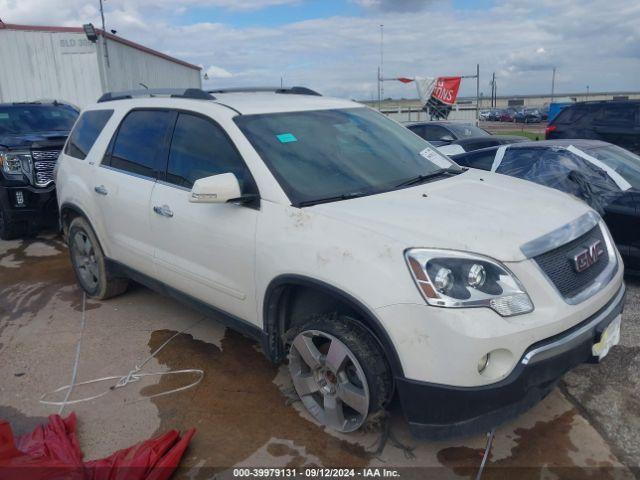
(31, 137)
(614, 121)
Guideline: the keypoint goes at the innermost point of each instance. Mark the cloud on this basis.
(394, 5)
(217, 72)
(339, 55)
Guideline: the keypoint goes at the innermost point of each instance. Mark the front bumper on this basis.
(437, 411)
(38, 209)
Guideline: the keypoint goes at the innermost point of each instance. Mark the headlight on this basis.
(449, 278)
(15, 163)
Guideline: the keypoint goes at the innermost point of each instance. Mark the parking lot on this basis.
(244, 408)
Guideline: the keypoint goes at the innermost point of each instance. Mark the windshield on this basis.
(466, 131)
(622, 161)
(31, 118)
(330, 153)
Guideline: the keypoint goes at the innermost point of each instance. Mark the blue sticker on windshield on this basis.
(287, 138)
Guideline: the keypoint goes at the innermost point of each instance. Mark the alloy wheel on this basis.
(329, 380)
(85, 260)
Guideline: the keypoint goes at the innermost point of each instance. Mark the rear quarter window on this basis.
(85, 132)
(570, 115)
(619, 114)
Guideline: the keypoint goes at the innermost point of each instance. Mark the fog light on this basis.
(19, 198)
(483, 362)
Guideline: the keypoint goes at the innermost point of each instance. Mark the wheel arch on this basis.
(275, 315)
(68, 211)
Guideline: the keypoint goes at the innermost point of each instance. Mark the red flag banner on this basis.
(446, 89)
(405, 79)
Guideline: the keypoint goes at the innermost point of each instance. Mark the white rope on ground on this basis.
(122, 380)
(487, 451)
(74, 373)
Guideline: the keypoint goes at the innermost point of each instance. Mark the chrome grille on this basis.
(44, 161)
(557, 264)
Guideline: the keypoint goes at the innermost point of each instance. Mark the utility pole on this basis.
(553, 84)
(587, 92)
(104, 38)
(380, 70)
(493, 90)
(379, 97)
(477, 93)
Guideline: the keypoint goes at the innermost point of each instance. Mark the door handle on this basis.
(101, 190)
(164, 210)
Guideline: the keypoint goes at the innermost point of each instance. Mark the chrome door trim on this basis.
(126, 172)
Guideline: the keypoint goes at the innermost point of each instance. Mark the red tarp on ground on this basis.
(52, 451)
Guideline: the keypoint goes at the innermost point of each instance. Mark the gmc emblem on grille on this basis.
(584, 258)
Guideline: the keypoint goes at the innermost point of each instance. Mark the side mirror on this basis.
(215, 189)
(447, 138)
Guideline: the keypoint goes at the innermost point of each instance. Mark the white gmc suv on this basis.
(346, 244)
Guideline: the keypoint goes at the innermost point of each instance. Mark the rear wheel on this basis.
(89, 262)
(338, 371)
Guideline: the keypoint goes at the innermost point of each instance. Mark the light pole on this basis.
(587, 92)
(553, 84)
(104, 38)
(380, 84)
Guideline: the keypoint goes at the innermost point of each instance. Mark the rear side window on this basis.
(200, 149)
(617, 115)
(572, 114)
(417, 129)
(86, 132)
(140, 140)
(479, 160)
(435, 132)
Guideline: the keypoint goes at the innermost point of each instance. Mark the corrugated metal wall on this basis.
(129, 67)
(51, 65)
(66, 66)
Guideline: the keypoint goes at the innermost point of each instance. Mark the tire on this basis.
(339, 371)
(89, 262)
(8, 231)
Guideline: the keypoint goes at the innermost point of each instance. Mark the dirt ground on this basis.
(244, 408)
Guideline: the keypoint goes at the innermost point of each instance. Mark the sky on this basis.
(333, 46)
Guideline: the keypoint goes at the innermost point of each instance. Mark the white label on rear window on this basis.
(435, 157)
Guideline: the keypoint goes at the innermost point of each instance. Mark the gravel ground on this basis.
(609, 396)
(243, 408)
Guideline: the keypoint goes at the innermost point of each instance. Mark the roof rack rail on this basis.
(290, 91)
(193, 93)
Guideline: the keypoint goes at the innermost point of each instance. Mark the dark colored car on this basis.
(444, 133)
(476, 143)
(507, 115)
(31, 137)
(589, 169)
(528, 115)
(616, 122)
(494, 115)
(544, 113)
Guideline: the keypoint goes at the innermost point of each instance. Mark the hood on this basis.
(475, 211)
(33, 140)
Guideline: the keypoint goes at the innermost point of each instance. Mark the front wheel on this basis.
(339, 372)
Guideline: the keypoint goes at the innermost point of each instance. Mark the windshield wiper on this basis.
(336, 198)
(418, 179)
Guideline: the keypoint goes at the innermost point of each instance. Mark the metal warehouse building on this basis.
(61, 63)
